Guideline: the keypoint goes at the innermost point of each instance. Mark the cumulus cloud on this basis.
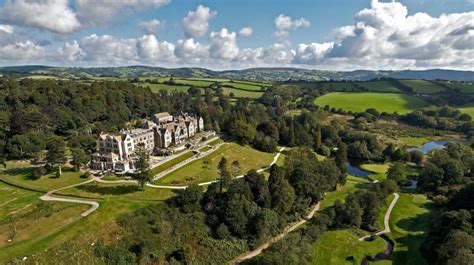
(148, 47)
(17, 48)
(150, 26)
(96, 12)
(312, 53)
(6, 28)
(71, 51)
(52, 15)
(196, 23)
(246, 32)
(189, 49)
(223, 45)
(109, 49)
(284, 23)
(384, 35)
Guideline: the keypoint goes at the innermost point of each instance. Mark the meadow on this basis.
(383, 102)
(205, 169)
(423, 86)
(469, 109)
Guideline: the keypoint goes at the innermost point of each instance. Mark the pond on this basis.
(431, 145)
(357, 172)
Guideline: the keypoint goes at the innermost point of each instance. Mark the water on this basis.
(431, 145)
(355, 171)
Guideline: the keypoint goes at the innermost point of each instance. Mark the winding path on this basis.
(292, 227)
(94, 205)
(386, 219)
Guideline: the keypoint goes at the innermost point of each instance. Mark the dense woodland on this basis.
(40, 119)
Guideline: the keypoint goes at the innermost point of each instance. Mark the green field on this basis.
(333, 247)
(242, 85)
(242, 93)
(159, 87)
(468, 109)
(462, 87)
(383, 102)
(379, 170)
(423, 86)
(197, 171)
(378, 86)
(409, 223)
(23, 177)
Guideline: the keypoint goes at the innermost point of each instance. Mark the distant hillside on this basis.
(269, 74)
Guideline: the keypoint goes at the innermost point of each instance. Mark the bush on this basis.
(38, 172)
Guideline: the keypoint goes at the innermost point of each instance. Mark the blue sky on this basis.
(335, 34)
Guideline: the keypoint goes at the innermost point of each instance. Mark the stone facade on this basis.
(163, 131)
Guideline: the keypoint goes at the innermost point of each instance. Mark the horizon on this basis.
(337, 36)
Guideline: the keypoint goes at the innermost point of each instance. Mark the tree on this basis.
(235, 168)
(396, 172)
(224, 173)
(190, 198)
(341, 157)
(281, 192)
(141, 163)
(56, 152)
(79, 158)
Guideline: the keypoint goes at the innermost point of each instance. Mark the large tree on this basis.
(141, 163)
(79, 157)
(56, 152)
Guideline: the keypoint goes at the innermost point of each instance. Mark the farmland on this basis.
(383, 102)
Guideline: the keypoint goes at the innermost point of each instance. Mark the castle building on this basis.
(163, 131)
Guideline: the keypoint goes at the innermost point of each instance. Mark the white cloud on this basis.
(109, 49)
(22, 51)
(96, 12)
(312, 53)
(189, 49)
(150, 26)
(148, 47)
(52, 15)
(284, 23)
(385, 36)
(6, 28)
(223, 45)
(71, 51)
(196, 23)
(246, 32)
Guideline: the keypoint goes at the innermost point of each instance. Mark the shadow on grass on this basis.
(109, 190)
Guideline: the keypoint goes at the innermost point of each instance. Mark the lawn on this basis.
(124, 191)
(469, 109)
(55, 245)
(383, 102)
(423, 86)
(22, 176)
(14, 200)
(414, 141)
(379, 170)
(409, 224)
(200, 171)
(171, 163)
(333, 247)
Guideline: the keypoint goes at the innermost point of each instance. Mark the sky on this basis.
(237, 34)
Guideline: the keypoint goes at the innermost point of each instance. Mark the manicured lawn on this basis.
(341, 193)
(379, 170)
(197, 171)
(171, 163)
(423, 86)
(22, 176)
(469, 109)
(215, 142)
(409, 224)
(124, 191)
(333, 247)
(383, 102)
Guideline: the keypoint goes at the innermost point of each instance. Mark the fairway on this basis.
(199, 171)
(383, 102)
(333, 247)
(409, 224)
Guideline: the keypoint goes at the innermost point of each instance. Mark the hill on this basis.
(273, 74)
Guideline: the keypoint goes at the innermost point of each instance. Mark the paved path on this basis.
(386, 219)
(292, 227)
(49, 197)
